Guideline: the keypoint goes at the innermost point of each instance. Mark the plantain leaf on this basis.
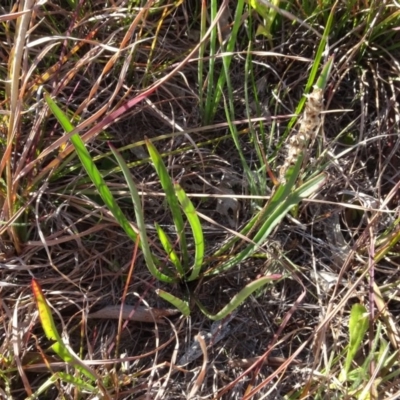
(164, 239)
(272, 218)
(239, 298)
(172, 200)
(91, 169)
(140, 220)
(197, 230)
(181, 305)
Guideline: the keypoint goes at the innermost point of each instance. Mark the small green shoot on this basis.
(268, 14)
(169, 249)
(358, 325)
(50, 330)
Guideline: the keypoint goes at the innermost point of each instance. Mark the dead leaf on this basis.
(134, 313)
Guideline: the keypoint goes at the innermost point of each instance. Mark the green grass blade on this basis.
(314, 69)
(140, 220)
(202, 49)
(197, 230)
(181, 305)
(166, 243)
(306, 190)
(91, 170)
(239, 298)
(172, 200)
(210, 93)
(227, 59)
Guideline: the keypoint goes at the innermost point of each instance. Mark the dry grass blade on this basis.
(202, 372)
(15, 106)
(16, 340)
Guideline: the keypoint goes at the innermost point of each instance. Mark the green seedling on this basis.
(358, 325)
(62, 350)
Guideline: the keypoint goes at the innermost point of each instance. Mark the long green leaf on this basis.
(91, 169)
(140, 220)
(166, 243)
(277, 214)
(181, 305)
(172, 200)
(227, 59)
(197, 230)
(281, 192)
(285, 188)
(239, 298)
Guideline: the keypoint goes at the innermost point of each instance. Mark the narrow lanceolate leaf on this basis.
(239, 298)
(172, 200)
(284, 189)
(358, 326)
(52, 334)
(91, 169)
(140, 220)
(197, 230)
(166, 243)
(304, 191)
(181, 305)
(45, 315)
(325, 73)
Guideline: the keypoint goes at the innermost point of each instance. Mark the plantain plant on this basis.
(288, 194)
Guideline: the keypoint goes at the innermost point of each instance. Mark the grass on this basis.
(199, 200)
